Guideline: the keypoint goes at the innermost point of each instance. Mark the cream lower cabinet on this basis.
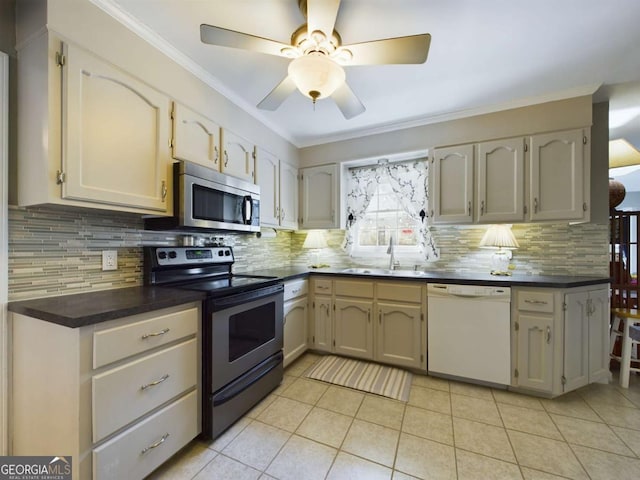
(382, 321)
(295, 319)
(559, 338)
(103, 134)
(120, 397)
(321, 313)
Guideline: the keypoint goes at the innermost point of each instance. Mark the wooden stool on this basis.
(630, 334)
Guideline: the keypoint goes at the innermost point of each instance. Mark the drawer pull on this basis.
(155, 445)
(297, 290)
(322, 287)
(156, 334)
(153, 384)
(536, 302)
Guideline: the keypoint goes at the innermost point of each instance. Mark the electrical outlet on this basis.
(109, 260)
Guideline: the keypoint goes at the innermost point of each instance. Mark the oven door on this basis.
(245, 329)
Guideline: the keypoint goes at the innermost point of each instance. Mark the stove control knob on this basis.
(173, 254)
(220, 253)
(227, 253)
(162, 255)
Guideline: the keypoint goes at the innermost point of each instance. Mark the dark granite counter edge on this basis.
(85, 309)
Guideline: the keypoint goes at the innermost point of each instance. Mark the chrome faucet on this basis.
(391, 252)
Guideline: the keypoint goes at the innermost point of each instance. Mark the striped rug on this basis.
(366, 376)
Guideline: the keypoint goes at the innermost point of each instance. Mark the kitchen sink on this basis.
(384, 271)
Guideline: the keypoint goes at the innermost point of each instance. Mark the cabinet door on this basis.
(295, 329)
(267, 176)
(237, 156)
(452, 185)
(399, 338)
(195, 137)
(556, 176)
(322, 325)
(353, 328)
(576, 341)
(599, 334)
(500, 181)
(535, 351)
(288, 196)
(115, 136)
(319, 202)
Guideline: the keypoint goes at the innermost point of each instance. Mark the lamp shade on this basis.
(315, 239)
(316, 75)
(499, 236)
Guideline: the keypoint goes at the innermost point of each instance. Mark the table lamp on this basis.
(315, 241)
(500, 237)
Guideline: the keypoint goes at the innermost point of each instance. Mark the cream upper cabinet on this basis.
(319, 197)
(288, 196)
(278, 191)
(500, 181)
(237, 156)
(452, 185)
(195, 137)
(268, 177)
(89, 134)
(558, 176)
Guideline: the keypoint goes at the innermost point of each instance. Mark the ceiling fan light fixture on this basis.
(316, 75)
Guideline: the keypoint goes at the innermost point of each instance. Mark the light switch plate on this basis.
(109, 260)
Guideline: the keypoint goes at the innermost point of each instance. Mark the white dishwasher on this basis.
(469, 332)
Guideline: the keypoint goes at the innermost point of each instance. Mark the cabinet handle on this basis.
(296, 290)
(482, 208)
(155, 334)
(216, 155)
(226, 158)
(322, 287)
(380, 317)
(548, 335)
(153, 384)
(469, 208)
(155, 445)
(164, 190)
(536, 302)
(535, 205)
(282, 214)
(369, 315)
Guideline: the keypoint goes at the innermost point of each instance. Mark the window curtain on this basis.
(409, 182)
(361, 187)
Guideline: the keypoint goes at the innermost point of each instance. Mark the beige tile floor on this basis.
(308, 430)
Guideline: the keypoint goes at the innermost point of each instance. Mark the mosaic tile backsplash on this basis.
(55, 251)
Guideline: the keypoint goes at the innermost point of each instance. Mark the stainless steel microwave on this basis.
(205, 199)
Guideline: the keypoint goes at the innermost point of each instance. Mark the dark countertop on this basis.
(94, 307)
(83, 309)
(538, 281)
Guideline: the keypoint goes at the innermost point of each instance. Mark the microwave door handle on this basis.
(247, 210)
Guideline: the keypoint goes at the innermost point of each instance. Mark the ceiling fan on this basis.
(318, 56)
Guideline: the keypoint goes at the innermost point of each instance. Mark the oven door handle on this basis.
(247, 209)
(239, 385)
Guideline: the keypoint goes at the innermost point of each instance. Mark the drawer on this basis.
(533, 301)
(322, 286)
(354, 288)
(127, 392)
(400, 292)
(295, 288)
(136, 337)
(122, 457)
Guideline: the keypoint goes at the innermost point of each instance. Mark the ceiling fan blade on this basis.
(402, 50)
(321, 15)
(278, 95)
(347, 101)
(230, 38)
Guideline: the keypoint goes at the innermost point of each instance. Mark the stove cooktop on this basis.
(231, 284)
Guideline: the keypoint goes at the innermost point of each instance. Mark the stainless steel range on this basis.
(241, 328)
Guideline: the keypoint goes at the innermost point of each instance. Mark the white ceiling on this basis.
(485, 55)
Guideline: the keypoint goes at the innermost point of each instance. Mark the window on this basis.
(385, 218)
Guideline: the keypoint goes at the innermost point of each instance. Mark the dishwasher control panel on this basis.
(467, 290)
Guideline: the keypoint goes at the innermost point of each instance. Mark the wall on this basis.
(56, 251)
